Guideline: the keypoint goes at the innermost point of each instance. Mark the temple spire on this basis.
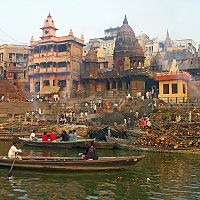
(125, 20)
(49, 15)
(168, 41)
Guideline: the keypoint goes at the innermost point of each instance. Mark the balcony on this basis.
(15, 69)
(48, 70)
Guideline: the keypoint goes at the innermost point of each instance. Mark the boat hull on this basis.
(69, 144)
(71, 163)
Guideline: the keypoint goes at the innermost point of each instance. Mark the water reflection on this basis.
(170, 176)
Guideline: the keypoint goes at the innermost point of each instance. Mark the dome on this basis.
(125, 29)
(127, 42)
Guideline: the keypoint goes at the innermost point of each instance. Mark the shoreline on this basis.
(156, 150)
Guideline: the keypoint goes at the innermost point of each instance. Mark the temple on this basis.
(127, 76)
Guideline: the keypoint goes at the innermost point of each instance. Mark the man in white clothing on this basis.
(12, 153)
(32, 136)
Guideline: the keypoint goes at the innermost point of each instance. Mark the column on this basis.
(41, 83)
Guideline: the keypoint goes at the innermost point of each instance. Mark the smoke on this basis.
(194, 88)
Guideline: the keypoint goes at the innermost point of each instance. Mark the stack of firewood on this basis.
(166, 132)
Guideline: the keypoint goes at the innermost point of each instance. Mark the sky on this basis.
(21, 19)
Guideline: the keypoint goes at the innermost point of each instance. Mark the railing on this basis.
(49, 70)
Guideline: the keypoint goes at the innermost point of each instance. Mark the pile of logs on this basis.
(166, 132)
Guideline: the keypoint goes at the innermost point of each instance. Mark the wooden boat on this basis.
(79, 143)
(71, 163)
(106, 145)
(10, 136)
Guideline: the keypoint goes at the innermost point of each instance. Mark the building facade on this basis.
(13, 61)
(55, 61)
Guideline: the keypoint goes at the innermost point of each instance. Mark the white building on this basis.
(188, 44)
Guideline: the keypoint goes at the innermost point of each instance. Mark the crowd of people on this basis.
(53, 137)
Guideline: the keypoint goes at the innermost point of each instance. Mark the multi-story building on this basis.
(188, 44)
(142, 39)
(55, 61)
(152, 47)
(111, 32)
(13, 61)
(108, 41)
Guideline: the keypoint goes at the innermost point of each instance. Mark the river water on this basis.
(158, 176)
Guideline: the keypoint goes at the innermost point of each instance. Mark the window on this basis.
(46, 82)
(11, 56)
(62, 83)
(174, 88)
(62, 48)
(25, 56)
(184, 89)
(165, 88)
(37, 86)
(61, 64)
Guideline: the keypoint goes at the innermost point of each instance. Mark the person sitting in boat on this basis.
(12, 153)
(90, 152)
(44, 137)
(32, 136)
(53, 137)
(64, 136)
(71, 136)
(75, 135)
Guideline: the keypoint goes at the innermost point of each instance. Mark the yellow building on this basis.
(13, 61)
(55, 61)
(173, 85)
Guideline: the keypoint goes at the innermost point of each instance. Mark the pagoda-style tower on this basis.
(49, 29)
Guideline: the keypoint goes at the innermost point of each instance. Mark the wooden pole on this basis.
(57, 118)
(19, 117)
(9, 173)
(25, 119)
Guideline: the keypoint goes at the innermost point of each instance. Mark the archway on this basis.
(114, 84)
(119, 84)
(128, 85)
(107, 85)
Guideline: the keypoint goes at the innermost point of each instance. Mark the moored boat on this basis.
(71, 163)
(79, 143)
(106, 145)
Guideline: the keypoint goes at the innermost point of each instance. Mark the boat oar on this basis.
(9, 173)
